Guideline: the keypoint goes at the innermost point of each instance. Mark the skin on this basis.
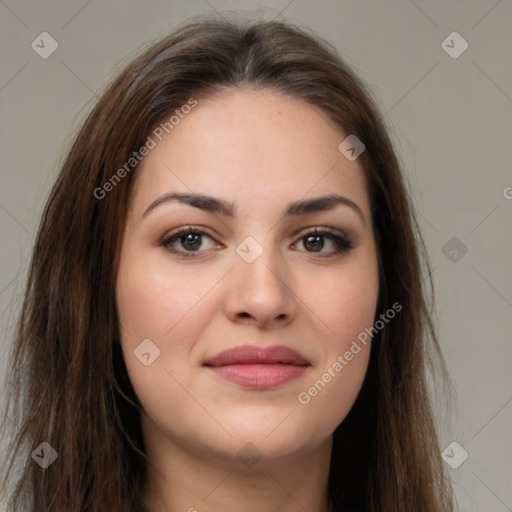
(259, 150)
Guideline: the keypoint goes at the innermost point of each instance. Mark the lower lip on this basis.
(259, 376)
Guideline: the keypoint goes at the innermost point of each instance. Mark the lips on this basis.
(258, 367)
(257, 355)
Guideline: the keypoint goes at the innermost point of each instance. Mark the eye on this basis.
(315, 242)
(187, 241)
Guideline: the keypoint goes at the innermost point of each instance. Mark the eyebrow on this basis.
(215, 205)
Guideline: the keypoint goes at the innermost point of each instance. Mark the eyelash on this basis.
(342, 243)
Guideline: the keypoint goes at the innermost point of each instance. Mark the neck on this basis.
(186, 479)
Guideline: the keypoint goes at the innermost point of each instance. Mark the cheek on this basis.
(157, 305)
(331, 393)
(346, 305)
(153, 300)
(169, 308)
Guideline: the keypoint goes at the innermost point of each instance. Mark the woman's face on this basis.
(249, 275)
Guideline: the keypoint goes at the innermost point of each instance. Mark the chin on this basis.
(275, 436)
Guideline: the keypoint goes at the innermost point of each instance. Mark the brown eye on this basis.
(316, 241)
(187, 241)
(191, 241)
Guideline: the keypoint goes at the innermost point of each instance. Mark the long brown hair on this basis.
(68, 384)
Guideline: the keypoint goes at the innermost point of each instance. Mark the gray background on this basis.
(451, 119)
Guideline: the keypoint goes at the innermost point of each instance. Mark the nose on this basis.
(261, 293)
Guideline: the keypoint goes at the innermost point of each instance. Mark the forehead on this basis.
(251, 145)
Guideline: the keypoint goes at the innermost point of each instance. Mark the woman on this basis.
(225, 307)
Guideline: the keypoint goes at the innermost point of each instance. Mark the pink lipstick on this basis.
(258, 367)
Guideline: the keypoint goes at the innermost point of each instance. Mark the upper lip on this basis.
(250, 354)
